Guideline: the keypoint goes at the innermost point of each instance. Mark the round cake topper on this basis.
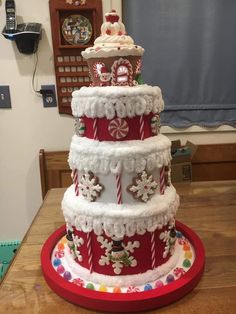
(77, 29)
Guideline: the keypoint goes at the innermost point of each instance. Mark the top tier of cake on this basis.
(114, 59)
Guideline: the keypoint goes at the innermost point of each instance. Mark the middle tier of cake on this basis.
(120, 172)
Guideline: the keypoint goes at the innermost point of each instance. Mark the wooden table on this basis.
(209, 208)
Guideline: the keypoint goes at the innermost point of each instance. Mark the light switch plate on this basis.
(5, 99)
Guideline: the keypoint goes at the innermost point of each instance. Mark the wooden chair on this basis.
(210, 162)
(54, 170)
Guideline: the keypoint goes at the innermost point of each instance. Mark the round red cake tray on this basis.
(123, 302)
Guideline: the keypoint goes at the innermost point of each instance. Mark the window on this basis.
(190, 52)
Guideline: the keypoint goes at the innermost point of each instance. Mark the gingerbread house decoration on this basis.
(122, 73)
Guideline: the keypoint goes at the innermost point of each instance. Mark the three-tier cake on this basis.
(120, 210)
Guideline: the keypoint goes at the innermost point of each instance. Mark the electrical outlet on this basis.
(5, 99)
(49, 95)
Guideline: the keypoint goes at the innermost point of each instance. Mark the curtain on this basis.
(190, 52)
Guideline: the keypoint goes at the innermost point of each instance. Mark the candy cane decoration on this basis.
(118, 189)
(95, 129)
(89, 252)
(153, 250)
(75, 181)
(162, 180)
(141, 127)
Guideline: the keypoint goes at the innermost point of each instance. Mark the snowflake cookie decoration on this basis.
(117, 253)
(143, 187)
(169, 237)
(78, 242)
(90, 186)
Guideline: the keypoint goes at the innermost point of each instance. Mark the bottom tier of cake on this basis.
(74, 283)
(177, 265)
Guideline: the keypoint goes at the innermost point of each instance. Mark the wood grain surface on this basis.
(209, 208)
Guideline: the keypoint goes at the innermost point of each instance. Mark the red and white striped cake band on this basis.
(75, 179)
(90, 260)
(153, 250)
(95, 129)
(120, 130)
(142, 127)
(118, 189)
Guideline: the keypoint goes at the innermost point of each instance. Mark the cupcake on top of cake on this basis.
(114, 59)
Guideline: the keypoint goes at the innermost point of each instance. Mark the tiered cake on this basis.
(120, 210)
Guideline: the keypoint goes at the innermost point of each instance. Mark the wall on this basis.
(28, 126)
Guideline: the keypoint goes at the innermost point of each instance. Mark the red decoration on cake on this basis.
(153, 250)
(141, 127)
(118, 189)
(112, 17)
(122, 73)
(132, 289)
(105, 76)
(90, 255)
(79, 282)
(179, 272)
(75, 181)
(118, 128)
(95, 129)
(138, 67)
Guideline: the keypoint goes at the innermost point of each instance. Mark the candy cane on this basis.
(162, 180)
(95, 129)
(75, 181)
(141, 127)
(118, 189)
(89, 252)
(153, 250)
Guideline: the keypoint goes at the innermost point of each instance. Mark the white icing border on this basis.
(115, 157)
(111, 101)
(123, 280)
(106, 52)
(119, 220)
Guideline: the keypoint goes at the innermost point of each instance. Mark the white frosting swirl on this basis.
(113, 41)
